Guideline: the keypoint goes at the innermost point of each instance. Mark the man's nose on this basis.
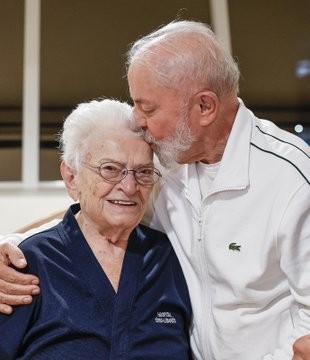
(139, 119)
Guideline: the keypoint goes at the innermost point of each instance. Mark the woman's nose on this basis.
(129, 183)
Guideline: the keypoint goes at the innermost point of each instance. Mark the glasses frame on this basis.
(124, 172)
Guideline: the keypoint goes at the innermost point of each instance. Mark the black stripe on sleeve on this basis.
(283, 141)
(283, 158)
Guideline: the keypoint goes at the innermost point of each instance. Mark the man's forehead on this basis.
(139, 75)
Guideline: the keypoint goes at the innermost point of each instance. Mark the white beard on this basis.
(170, 149)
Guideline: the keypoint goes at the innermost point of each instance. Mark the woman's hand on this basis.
(15, 288)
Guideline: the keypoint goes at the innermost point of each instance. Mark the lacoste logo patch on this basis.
(233, 246)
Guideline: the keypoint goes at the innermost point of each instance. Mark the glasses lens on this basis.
(112, 171)
(146, 176)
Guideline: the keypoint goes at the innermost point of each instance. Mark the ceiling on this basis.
(83, 46)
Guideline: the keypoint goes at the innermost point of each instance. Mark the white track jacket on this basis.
(244, 249)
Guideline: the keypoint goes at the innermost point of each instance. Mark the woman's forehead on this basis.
(117, 137)
(119, 146)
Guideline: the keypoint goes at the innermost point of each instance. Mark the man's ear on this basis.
(70, 179)
(209, 104)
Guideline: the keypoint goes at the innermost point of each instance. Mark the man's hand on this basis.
(15, 288)
(301, 348)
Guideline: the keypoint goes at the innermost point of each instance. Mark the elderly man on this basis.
(236, 200)
(238, 211)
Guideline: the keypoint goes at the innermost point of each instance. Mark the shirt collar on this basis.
(233, 173)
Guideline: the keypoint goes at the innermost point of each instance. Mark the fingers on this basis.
(7, 300)
(15, 294)
(16, 288)
(10, 253)
(11, 277)
(6, 309)
(7, 288)
(301, 348)
(12, 300)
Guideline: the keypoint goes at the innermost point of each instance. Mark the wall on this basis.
(21, 207)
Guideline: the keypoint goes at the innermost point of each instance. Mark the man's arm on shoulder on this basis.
(41, 224)
(17, 288)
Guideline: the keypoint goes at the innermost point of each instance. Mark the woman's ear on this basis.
(209, 105)
(70, 179)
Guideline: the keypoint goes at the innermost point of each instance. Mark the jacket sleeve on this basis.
(17, 238)
(294, 256)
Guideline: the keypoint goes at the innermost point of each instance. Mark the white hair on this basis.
(187, 53)
(89, 121)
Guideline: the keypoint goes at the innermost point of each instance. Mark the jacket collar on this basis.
(233, 173)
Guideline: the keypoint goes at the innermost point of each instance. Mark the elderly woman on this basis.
(110, 288)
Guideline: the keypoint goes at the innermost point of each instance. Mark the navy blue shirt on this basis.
(78, 315)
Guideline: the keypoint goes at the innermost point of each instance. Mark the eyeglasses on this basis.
(114, 172)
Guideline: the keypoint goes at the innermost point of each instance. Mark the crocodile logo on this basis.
(233, 246)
